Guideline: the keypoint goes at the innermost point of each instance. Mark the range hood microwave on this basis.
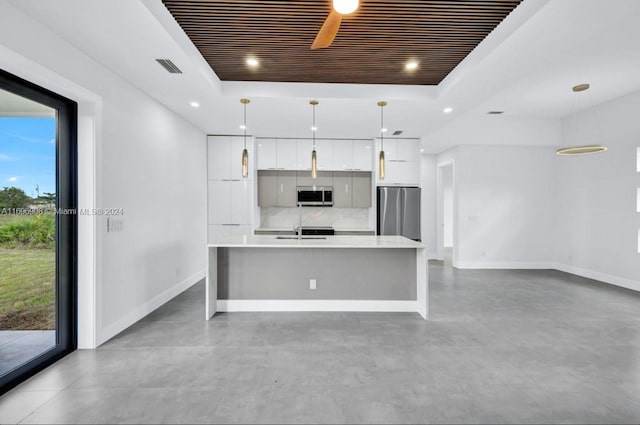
(315, 196)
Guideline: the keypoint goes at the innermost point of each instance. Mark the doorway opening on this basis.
(446, 214)
(38, 208)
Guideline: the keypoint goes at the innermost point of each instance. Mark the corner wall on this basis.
(144, 158)
(598, 222)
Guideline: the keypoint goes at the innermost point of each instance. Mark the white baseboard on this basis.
(501, 265)
(316, 305)
(602, 277)
(106, 333)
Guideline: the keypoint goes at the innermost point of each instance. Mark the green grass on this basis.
(10, 218)
(34, 231)
(27, 289)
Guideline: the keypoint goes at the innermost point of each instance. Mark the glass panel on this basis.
(27, 230)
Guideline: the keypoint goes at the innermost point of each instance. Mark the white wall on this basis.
(145, 159)
(447, 206)
(598, 224)
(428, 204)
(505, 198)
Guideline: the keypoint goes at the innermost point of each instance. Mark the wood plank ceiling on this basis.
(372, 46)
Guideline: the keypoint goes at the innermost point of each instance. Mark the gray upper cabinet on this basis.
(361, 189)
(279, 188)
(324, 178)
(342, 189)
(286, 192)
(268, 188)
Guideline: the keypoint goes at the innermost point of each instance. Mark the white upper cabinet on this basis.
(303, 154)
(402, 162)
(342, 155)
(324, 153)
(362, 155)
(224, 157)
(219, 153)
(333, 155)
(266, 152)
(286, 154)
(408, 150)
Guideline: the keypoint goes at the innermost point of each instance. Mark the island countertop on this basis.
(271, 241)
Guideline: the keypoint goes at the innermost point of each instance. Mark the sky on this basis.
(28, 154)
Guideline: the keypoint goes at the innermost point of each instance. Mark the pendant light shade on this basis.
(245, 152)
(314, 158)
(381, 104)
(582, 149)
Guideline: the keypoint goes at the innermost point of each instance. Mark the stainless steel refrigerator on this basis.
(399, 211)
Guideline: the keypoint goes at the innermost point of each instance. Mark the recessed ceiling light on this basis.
(194, 104)
(384, 130)
(421, 150)
(253, 62)
(411, 66)
(345, 7)
(314, 128)
(447, 110)
(243, 127)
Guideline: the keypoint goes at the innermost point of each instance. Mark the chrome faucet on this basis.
(299, 229)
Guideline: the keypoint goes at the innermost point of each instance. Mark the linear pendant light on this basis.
(583, 149)
(314, 159)
(381, 104)
(245, 153)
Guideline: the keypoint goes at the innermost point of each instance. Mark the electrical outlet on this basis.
(114, 225)
(312, 284)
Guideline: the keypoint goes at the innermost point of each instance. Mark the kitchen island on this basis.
(332, 273)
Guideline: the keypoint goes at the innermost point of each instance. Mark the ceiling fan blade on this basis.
(328, 31)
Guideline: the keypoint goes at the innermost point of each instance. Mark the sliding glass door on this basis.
(37, 228)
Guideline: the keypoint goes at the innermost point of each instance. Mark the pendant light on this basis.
(381, 104)
(245, 153)
(314, 159)
(583, 149)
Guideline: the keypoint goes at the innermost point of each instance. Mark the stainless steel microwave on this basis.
(315, 196)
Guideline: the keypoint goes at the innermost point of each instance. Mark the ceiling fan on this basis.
(332, 24)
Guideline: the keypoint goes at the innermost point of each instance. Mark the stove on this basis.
(318, 230)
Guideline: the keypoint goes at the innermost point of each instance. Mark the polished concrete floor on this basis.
(501, 347)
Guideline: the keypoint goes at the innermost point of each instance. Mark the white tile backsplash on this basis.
(339, 218)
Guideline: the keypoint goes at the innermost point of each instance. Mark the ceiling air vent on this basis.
(169, 66)
(397, 132)
(495, 112)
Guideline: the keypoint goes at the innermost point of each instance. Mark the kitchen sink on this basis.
(303, 237)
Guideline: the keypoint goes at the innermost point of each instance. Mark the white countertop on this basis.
(272, 241)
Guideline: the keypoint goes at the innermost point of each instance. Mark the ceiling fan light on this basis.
(345, 7)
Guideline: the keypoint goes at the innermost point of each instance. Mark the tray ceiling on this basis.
(372, 46)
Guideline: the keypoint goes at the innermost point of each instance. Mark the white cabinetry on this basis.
(402, 162)
(324, 152)
(303, 154)
(277, 154)
(362, 155)
(333, 155)
(342, 155)
(229, 196)
(267, 154)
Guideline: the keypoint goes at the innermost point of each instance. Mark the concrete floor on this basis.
(501, 347)
(18, 347)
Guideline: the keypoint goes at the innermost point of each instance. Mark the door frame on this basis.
(66, 226)
(440, 167)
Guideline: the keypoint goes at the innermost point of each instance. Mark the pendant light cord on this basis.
(245, 125)
(314, 126)
(382, 127)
